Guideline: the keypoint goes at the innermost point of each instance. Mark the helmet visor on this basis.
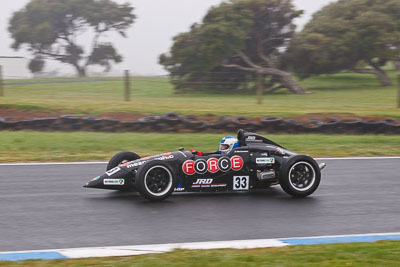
(223, 147)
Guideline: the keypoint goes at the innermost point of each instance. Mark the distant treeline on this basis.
(239, 45)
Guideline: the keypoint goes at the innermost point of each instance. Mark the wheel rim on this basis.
(302, 176)
(158, 180)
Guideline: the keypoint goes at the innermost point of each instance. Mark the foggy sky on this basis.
(158, 21)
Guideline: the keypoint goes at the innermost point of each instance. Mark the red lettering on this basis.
(188, 167)
(213, 165)
(237, 163)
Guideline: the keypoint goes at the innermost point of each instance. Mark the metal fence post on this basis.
(1, 81)
(127, 86)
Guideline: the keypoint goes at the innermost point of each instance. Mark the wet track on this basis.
(45, 207)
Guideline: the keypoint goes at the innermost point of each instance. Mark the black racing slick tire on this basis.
(300, 176)
(155, 180)
(121, 157)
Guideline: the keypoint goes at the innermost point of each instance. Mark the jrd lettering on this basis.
(203, 181)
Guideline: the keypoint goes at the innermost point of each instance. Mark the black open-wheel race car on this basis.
(256, 162)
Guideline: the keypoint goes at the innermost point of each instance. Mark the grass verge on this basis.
(384, 253)
(348, 93)
(81, 146)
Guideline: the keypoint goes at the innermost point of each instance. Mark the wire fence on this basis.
(128, 87)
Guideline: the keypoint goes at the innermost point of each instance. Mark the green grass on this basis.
(341, 93)
(385, 253)
(77, 146)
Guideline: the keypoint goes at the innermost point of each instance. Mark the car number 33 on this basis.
(240, 183)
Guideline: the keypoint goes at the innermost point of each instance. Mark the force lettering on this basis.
(212, 165)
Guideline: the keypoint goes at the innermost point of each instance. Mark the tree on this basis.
(36, 65)
(247, 37)
(354, 35)
(50, 30)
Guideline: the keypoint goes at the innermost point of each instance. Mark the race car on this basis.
(252, 162)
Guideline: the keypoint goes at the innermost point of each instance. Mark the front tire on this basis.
(155, 181)
(300, 176)
(120, 158)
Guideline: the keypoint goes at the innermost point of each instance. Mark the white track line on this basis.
(335, 236)
(114, 251)
(105, 162)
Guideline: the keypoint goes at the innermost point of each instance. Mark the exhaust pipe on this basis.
(322, 166)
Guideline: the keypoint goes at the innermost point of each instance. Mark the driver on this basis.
(225, 147)
(227, 144)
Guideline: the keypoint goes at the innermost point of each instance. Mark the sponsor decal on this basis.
(212, 165)
(265, 160)
(188, 167)
(207, 183)
(136, 164)
(201, 166)
(179, 188)
(224, 164)
(237, 163)
(241, 151)
(114, 181)
(253, 139)
(203, 181)
(264, 154)
(95, 178)
(241, 183)
(164, 156)
(113, 171)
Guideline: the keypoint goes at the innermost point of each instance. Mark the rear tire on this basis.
(120, 158)
(155, 180)
(300, 176)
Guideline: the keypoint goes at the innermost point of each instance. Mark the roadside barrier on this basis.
(270, 124)
(193, 122)
(331, 126)
(173, 122)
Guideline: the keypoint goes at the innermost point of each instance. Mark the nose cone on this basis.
(122, 183)
(96, 182)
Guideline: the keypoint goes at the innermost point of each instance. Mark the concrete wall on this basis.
(15, 68)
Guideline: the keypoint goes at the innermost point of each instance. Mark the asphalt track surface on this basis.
(45, 207)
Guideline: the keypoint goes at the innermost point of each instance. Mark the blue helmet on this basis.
(227, 144)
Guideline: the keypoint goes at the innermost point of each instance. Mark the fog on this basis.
(158, 21)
